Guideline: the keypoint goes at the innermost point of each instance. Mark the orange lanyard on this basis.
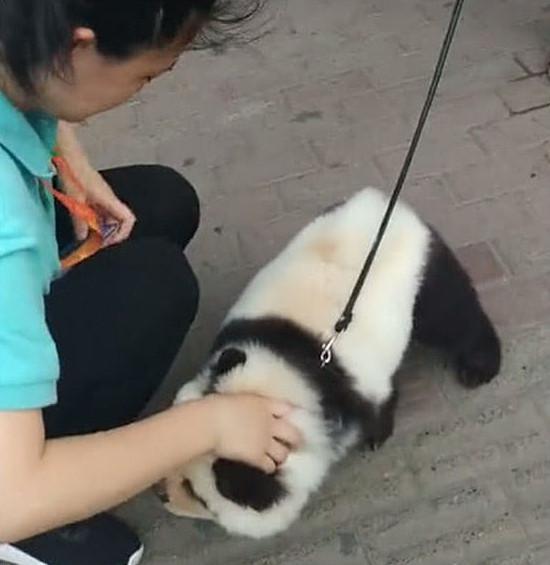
(94, 242)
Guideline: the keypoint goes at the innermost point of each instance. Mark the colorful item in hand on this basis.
(97, 233)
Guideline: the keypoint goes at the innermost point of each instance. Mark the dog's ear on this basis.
(228, 360)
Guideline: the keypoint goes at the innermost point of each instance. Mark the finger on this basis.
(116, 211)
(123, 232)
(80, 229)
(126, 222)
(127, 227)
(278, 452)
(287, 434)
(268, 465)
(280, 409)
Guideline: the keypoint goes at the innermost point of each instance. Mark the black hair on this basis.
(36, 35)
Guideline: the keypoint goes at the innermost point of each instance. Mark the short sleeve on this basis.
(29, 365)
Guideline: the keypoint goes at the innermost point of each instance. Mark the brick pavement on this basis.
(323, 104)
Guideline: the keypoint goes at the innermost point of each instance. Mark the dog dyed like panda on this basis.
(271, 341)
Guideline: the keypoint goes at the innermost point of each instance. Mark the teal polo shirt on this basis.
(29, 259)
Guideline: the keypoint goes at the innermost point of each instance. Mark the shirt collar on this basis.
(29, 137)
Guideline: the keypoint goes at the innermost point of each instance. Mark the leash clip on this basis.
(326, 351)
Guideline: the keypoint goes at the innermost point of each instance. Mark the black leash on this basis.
(347, 315)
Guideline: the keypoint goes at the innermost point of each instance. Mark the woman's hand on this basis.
(97, 192)
(113, 212)
(252, 429)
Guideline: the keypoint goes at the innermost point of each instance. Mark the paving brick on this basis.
(437, 153)
(429, 195)
(526, 252)
(441, 551)
(517, 133)
(515, 9)
(312, 193)
(519, 302)
(543, 395)
(524, 479)
(271, 156)
(539, 198)
(405, 67)
(183, 152)
(481, 263)
(534, 60)
(515, 557)
(534, 514)
(342, 548)
(522, 447)
(522, 372)
(256, 208)
(459, 546)
(211, 250)
(258, 245)
(447, 513)
(429, 37)
(110, 124)
(111, 153)
(499, 536)
(499, 175)
(167, 108)
(365, 17)
(487, 42)
(468, 111)
(448, 469)
(407, 99)
(394, 18)
(368, 109)
(541, 555)
(262, 112)
(418, 390)
(484, 220)
(525, 95)
(479, 77)
(389, 480)
(326, 93)
(352, 145)
(481, 439)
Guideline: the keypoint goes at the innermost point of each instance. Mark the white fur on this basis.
(309, 283)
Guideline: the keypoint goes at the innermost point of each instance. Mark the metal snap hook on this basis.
(326, 351)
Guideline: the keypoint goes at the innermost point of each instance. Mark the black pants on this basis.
(119, 318)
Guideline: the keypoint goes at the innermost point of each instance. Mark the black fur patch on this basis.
(449, 317)
(229, 359)
(247, 486)
(298, 347)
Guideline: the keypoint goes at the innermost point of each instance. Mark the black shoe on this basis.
(102, 540)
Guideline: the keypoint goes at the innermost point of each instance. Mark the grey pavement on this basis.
(323, 103)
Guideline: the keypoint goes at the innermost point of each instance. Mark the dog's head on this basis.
(243, 499)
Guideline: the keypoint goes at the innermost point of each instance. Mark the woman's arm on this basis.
(45, 484)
